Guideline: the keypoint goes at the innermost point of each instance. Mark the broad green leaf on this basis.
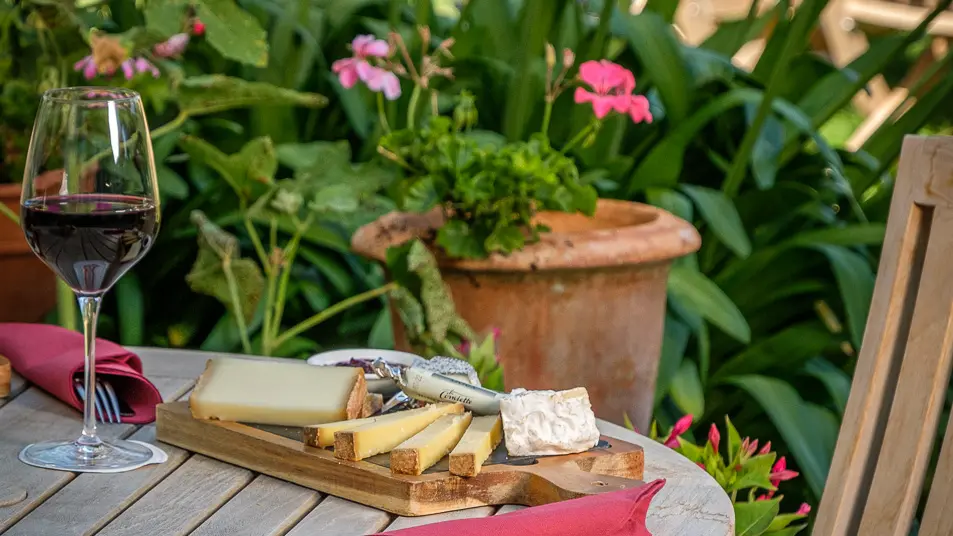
(848, 235)
(335, 198)
(766, 153)
(752, 518)
(381, 335)
(131, 307)
(171, 184)
(855, 279)
(323, 154)
(360, 115)
(654, 43)
(674, 343)
(458, 240)
(212, 93)
(809, 431)
(247, 171)
(700, 294)
(788, 348)
(787, 531)
(687, 391)
(165, 18)
(834, 379)
(721, 215)
(672, 201)
(504, 239)
(734, 439)
(221, 272)
(234, 32)
(421, 196)
(754, 473)
(782, 522)
(339, 277)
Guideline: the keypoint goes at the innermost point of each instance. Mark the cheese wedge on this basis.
(483, 435)
(372, 404)
(386, 433)
(322, 435)
(274, 392)
(421, 451)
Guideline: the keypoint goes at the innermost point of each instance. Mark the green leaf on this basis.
(766, 155)
(834, 379)
(421, 196)
(457, 240)
(722, 216)
(131, 308)
(336, 198)
(165, 18)
(339, 277)
(809, 431)
(788, 531)
(702, 295)
(213, 93)
(654, 43)
(171, 184)
(855, 279)
(687, 391)
(234, 32)
(674, 343)
(734, 439)
(782, 522)
(752, 518)
(754, 473)
(788, 348)
(219, 257)
(848, 235)
(505, 239)
(672, 201)
(247, 171)
(305, 156)
(381, 335)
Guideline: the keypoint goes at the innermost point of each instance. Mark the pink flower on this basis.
(173, 46)
(804, 509)
(363, 47)
(87, 66)
(198, 27)
(612, 86)
(681, 426)
(714, 437)
(780, 472)
(765, 497)
(132, 66)
(765, 449)
(379, 80)
(700, 464)
(752, 447)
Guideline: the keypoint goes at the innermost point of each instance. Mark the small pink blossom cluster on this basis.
(130, 67)
(357, 67)
(612, 86)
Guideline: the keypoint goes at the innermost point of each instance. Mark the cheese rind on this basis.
(372, 404)
(476, 445)
(322, 435)
(426, 448)
(273, 392)
(540, 423)
(383, 435)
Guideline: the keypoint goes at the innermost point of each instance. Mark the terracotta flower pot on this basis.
(584, 306)
(27, 286)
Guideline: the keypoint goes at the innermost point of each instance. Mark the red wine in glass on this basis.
(90, 240)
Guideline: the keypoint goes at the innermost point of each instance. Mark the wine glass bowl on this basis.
(90, 211)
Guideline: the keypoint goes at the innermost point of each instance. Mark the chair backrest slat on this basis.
(899, 385)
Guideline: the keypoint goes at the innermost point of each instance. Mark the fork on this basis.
(104, 398)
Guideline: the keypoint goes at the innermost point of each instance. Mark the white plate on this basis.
(374, 383)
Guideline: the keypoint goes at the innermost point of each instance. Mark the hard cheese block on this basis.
(271, 392)
(539, 423)
(421, 451)
(481, 437)
(385, 434)
(322, 435)
(372, 404)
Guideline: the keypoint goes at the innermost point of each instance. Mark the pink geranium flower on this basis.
(612, 86)
(87, 66)
(379, 80)
(363, 47)
(173, 46)
(681, 426)
(132, 66)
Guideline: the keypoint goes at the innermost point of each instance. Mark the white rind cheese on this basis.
(541, 423)
(277, 392)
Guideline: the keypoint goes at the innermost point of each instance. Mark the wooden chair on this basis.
(890, 425)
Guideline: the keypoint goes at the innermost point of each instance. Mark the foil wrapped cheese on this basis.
(541, 423)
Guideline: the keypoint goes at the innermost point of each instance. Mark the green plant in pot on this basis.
(520, 237)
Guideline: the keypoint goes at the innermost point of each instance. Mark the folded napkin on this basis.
(50, 357)
(620, 513)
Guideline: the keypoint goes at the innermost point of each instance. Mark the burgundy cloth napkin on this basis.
(51, 356)
(620, 513)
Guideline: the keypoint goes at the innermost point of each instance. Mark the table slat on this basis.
(407, 522)
(507, 508)
(339, 517)
(183, 500)
(266, 506)
(17, 386)
(92, 500)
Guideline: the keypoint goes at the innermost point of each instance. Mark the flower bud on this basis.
(424, 32)
(568, 58)
(550, 55)
(714, 437)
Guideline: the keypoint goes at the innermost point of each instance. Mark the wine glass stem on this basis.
(89, 307)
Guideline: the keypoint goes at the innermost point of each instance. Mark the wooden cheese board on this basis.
(616, 465)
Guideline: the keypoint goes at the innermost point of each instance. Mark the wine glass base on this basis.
(115, 455)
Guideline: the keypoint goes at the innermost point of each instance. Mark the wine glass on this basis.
(90, 211)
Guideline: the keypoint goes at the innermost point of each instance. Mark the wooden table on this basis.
(193, 494)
